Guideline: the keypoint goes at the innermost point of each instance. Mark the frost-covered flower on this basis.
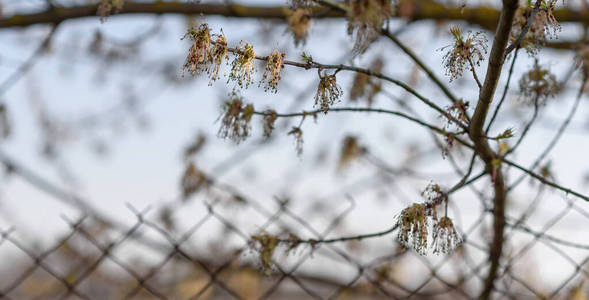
(445, 237)
(242, 66)
(465, 53)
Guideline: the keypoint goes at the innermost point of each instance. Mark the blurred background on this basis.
(117, 185)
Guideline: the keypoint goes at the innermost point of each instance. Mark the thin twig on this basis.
(527, 127)
(356, 109)
(504, 92)
(29, 63)
(315, 65)
(556, 137)
(422, 65)
(524, 31)
(314, 242)
(474, 73)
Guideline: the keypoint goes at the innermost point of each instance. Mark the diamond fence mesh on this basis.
(289, 256)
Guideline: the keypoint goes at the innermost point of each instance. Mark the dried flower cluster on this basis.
(235, 124)
(219, 51)
(243, 66)
(268, 244)
(198, 59)
(206, 55)
(457, 112)
(445, 237)
(299, 22)
(538, 83)
(106, 7)
(365, 19)
(464, 53)
(366, 87)
(328, 92)
(434, 196)
(542, 27)
(274, 66)
(351, 150)
(413, 227)
(449, 142)
(297, 133)
(270, 117)
(192, 180)
(414, 224)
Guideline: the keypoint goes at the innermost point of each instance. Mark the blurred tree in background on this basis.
(440, 147)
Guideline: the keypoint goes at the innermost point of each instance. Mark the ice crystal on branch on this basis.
(299, 22)
(365, 19)
(538, 83)
(274, 67)
(235, 123)
(465, 53)
(328, 92)
(242, 66)
(445, 237)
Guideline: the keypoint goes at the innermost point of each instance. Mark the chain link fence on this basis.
(241, 248)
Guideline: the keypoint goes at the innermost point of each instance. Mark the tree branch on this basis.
(484, 16)
(481, 145)
(315, 65)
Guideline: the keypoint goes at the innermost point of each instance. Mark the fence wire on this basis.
(288, 257)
